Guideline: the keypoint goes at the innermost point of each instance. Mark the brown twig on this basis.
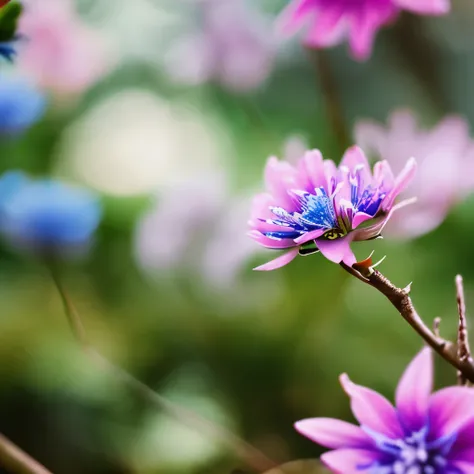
(400, 299)
(464, 351)
(252, 456)
(17, 461)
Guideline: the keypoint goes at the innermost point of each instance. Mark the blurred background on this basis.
(168, 109)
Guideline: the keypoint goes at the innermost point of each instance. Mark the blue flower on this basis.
(21, 105)
(46, 214)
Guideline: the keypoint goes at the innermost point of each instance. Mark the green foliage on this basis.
(9, 16)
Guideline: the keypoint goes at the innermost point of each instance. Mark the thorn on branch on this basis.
(407, 289)
(464, 351)
(436, 325)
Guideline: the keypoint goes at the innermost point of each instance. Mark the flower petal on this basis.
(279, 262)
(450, 408)
(337, 250)
(425, 7)
(372, 409)
(353, 158)
(349, 461)
(332, 433)
(280, 176)
(375, 229)
(311, 166)
(463, 448)
(294, 16)
(329, 27)
(270, 243)
(360, 218)
(414, 390)
(401, 182)
(314, 234)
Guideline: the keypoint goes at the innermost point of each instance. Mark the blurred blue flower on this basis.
(47, 215)
(21, 105)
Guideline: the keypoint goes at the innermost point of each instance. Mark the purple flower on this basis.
(445, 156)
(425, 434)
(315, 206)
(233, 46)
(333, 21)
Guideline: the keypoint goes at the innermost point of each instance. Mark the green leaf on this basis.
(9, 15)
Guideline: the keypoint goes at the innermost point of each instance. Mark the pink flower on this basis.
(315, 206)
(60, 52)
(333, 21)
(445, 156)
(424, 434)
(233, 47)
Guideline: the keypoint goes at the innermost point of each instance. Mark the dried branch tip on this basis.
(464, 351)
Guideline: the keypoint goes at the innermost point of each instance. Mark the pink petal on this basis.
(270, 243)
(309, 236)
(425, 7)
(361, 38)
(375, 229)
(332, 433)
(414, 390)
(360, 218)
(354, 157)
(279, 262)
(372, 409)
(311, 166)
(463, 448)
(450, 408)
(294, 16)
(401, 182)
(337, 250)
(280, 176)
(328, 29)
(383, 175)
(462, 466)
(348, 461)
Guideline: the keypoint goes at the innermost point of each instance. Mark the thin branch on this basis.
(401, 300)
(252, 456)
(17, 461)
(464, 352)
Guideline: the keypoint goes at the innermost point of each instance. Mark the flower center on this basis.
(413, 454)
(314, 212)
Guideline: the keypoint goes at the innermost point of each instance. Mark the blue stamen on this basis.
(316, 212)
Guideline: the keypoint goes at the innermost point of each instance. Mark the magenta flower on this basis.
(425, 434)
(445, 156)
(315, 206)
(333, 21)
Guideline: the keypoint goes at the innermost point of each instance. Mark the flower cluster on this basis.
(332, 21)
(316, 206)
(425, 434)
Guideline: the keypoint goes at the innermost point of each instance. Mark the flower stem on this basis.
(17, 461)
(332, 100)
(400, 299)
(254, 458)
